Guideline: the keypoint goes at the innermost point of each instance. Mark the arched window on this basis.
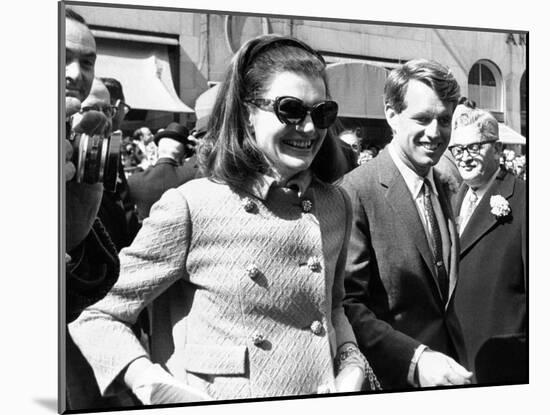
(485, 86)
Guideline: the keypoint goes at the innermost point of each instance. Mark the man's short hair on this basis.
(71, 14)
(484, 121)
(431, 73)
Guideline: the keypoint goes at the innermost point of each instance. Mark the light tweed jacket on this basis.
(247, 292)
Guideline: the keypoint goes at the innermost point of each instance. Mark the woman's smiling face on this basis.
(289, 149)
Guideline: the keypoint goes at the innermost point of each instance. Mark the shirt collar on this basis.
(262, 184)
(413, 181)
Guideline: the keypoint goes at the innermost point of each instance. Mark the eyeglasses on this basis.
(108, 110)
(292, 111)
(473, 149)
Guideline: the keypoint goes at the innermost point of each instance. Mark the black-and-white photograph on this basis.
(263, 207)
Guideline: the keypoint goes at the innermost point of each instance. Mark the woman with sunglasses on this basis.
(244, 269)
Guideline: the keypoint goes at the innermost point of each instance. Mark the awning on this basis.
(509, 136)
(144, 73)
(205, 101)
(358, 88)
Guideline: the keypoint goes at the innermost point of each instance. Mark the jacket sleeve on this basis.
(342, 327)
(91, 272)
(154, 261)
(389, 351)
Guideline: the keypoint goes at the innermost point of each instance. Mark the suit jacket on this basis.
(146, 188)
(224, 270)
(491, 298)
(392, 295)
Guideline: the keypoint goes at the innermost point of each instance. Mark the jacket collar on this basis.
(482, 220)
(260, 186)
(167, 160)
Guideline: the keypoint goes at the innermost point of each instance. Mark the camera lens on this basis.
(111, 161)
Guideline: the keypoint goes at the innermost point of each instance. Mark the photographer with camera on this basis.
(146, 187)
(91, 261)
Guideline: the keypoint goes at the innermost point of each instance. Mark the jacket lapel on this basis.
(482, 220)
(461, 194)
(404, 208)
(446, 207)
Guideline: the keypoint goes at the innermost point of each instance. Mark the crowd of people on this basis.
(263, 255)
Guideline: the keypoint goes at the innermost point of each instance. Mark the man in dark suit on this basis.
(401, 271)
(148, 186)
(491, 297)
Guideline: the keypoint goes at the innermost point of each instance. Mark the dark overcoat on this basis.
(491, 297)
(146, 188)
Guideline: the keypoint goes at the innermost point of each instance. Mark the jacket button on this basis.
(306, 205)
(258, 339)
(316, 328)
(252, 271)
(248, 205)
(314, 264)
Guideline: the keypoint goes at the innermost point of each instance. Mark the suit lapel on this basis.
(482, 220)
(404, 208)
(446, 207)
(459, 199)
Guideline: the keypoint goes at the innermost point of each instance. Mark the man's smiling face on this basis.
(423, 129)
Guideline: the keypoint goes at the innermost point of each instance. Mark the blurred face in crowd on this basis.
(352, 140)
(422, 130)
(147, 136)
(289, 149)
(478, 163)
(80, 51)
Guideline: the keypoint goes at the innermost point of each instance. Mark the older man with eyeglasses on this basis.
(491, 294)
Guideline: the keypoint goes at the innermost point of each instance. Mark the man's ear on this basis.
(391, 116)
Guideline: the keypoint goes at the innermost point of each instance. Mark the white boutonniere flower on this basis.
(499, 206)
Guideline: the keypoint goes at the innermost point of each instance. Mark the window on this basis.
(485, 85)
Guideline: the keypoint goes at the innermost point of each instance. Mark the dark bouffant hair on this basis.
(229, 153)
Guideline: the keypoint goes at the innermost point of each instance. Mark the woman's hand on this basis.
(350, 379)
(153, 385)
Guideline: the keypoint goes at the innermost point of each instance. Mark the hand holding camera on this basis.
(91, 162)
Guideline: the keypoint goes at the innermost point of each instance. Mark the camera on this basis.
(95, 156)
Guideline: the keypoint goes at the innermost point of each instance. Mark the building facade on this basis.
(168, 59)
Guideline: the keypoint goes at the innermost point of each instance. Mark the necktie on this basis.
(442, 277)
(470, 207)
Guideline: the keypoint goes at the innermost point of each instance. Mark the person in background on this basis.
(402, 264)
(118, 102)
(351, 146)
(91, 261)
(144, 139)
(116, 212)
(367, 154)
(244, 268)
(146, 188)
(491, 299)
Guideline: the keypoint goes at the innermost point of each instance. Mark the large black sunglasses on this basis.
(292, 111)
